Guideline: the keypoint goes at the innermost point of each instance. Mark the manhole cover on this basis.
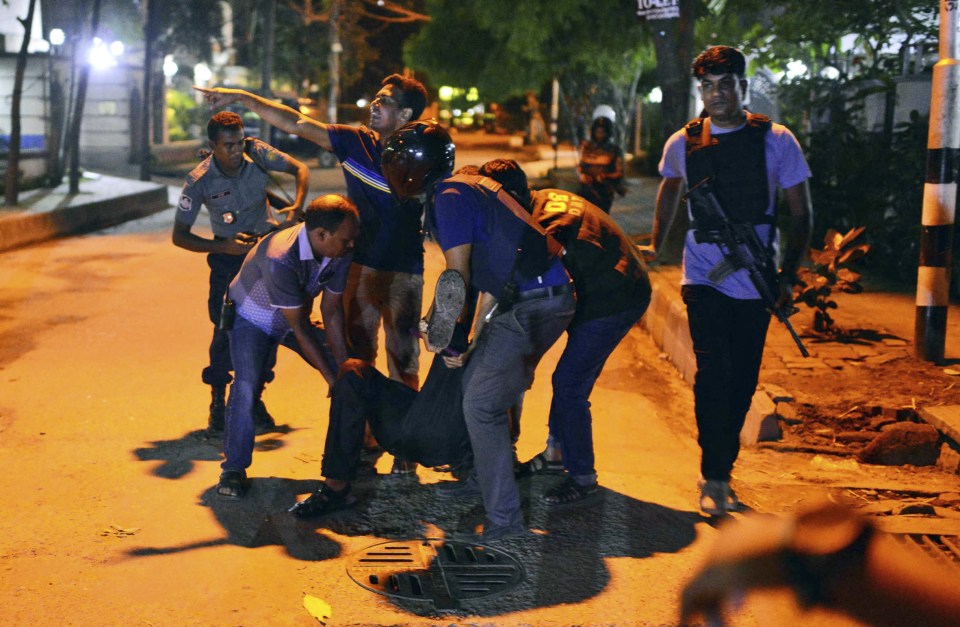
(941, 547)
(441, 571)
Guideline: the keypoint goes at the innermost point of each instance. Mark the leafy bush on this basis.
(865, 178)
(828, 272)
(182, 114)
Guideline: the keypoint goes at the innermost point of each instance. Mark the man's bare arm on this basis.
(800, 227)
(275, 113)
(331, 311)
(185, 238)
(668, 203)
(299, 320)
(301, 173)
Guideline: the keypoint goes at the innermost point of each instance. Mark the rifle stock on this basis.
(742, 249)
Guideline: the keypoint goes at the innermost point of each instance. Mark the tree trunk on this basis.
(673, 43)
(84, 78)
(149, 26)
(12, 192)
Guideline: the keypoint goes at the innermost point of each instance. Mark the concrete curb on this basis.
(106, 201)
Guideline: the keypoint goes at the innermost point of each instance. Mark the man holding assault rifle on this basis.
(733, 162)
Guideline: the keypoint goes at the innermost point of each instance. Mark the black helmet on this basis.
(415, 156)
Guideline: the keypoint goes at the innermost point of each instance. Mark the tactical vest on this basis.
(738, 165)
(530, 249)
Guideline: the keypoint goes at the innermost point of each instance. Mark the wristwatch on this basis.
(827, 545)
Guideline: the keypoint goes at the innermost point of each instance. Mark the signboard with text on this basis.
(658, 9)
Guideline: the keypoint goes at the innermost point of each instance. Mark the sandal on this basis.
(324, 501)
(539, 465)
(232, 484)
(568, 492)
(403, 467)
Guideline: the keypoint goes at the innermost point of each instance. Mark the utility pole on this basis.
(149, 34)
(939, 194)
(82, 81)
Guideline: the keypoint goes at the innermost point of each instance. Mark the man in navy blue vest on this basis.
(747, 158)
(526, 302)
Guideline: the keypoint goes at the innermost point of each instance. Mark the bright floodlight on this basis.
(116, 48)
(362, 103)
(796, 69)
(655, 95)
(100, 57)
(202, 74)
(57, 37)
(169, 67)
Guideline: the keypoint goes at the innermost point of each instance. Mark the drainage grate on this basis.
(441, 571)
(942, 547)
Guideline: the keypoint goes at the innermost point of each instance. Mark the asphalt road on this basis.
(109, 517)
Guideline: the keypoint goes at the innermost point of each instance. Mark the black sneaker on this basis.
(324, 501)
(448, 302)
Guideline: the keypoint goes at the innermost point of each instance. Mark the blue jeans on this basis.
(253, 351)
(499, 370)
(223, 268)
(588, 346)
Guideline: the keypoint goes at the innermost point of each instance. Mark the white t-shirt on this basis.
(786, 167)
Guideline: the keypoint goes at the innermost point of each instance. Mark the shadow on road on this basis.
(563, 557)
(178, 456)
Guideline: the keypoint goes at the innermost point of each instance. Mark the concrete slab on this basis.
(946, 418)
(103, 201)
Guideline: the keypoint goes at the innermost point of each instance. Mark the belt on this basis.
(545, 292)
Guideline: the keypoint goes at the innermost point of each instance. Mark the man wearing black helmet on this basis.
(526, 302)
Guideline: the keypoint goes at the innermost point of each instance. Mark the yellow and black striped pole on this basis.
(939, 194)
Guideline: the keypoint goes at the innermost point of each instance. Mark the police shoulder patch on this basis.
(186, 203)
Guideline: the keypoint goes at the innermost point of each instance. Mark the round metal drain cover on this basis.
(437, 570)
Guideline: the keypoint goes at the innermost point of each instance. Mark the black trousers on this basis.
(426, 427)
(728, 337)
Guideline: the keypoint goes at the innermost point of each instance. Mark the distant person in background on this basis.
(232, 184)
(536, 127)
(828, 556)
(601, 164)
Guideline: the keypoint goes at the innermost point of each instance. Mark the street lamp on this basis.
(102, 55)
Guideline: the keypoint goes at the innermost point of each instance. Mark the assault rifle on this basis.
(742, 249)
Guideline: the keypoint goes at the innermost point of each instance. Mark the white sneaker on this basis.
(717, 498)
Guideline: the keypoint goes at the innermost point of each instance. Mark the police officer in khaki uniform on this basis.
(232, 184)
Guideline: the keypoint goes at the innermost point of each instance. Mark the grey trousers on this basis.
(500, 369)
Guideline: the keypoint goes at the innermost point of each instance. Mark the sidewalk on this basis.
(44, 214)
